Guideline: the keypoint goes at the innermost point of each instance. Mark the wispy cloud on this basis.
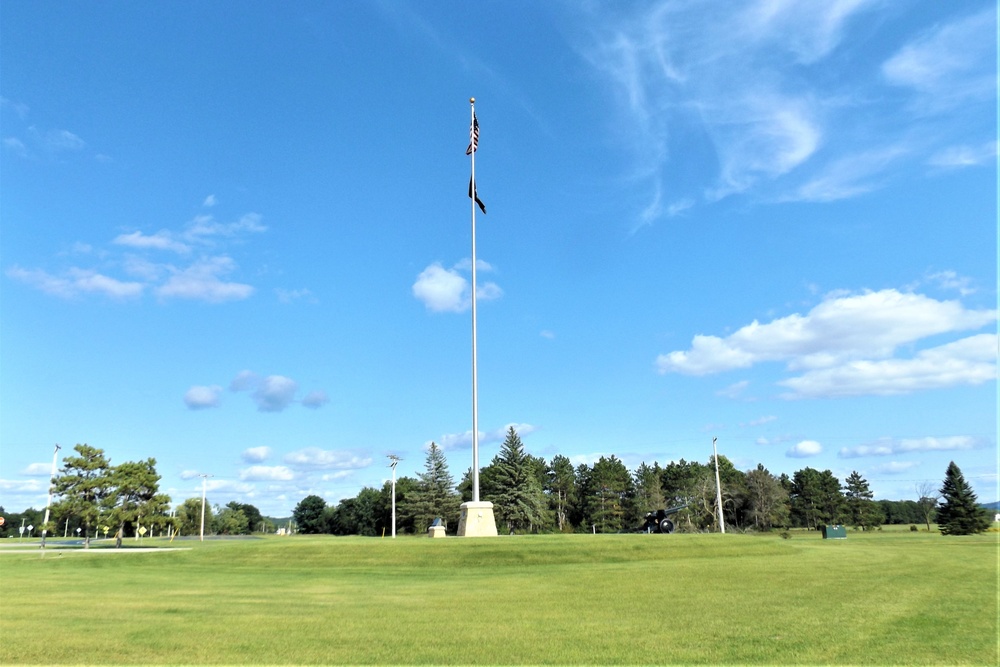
(459, 441)
(734, 77)
(202, 279)
(267, 473)
(893, 446)
(314, 458)
(76, 282)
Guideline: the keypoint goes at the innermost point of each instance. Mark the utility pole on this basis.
(718, 488)
(204, 478)
(393, 461)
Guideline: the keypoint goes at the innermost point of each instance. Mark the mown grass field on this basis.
(876, 599)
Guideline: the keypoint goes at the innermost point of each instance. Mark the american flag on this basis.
(473, 135)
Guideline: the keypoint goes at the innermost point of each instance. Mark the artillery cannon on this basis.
(659, 521)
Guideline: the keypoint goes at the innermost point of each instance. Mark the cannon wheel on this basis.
(666, 526)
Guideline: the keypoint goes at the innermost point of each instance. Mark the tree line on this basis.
(531, 495)
(94, 497)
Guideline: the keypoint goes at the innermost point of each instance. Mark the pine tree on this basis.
(436, 495)
(862, 511)
(518, 498)
(960, 513)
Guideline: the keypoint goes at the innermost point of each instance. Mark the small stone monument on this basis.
(436, 529)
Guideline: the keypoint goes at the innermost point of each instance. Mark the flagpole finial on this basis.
(472, 100)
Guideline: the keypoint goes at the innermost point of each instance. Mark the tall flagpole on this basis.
(476, 518)
(475, 376)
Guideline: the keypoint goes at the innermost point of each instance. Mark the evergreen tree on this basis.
(84, 487)
(435, 495)
(862, 511)
(648, 493)
(516, 493)
(960, 513)
(607, 495)
(561, 487)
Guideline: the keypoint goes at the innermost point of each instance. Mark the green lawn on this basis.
(878, 598)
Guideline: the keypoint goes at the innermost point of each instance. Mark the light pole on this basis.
(718, 488)
(48, 505)
(393, 462)
(204, 479)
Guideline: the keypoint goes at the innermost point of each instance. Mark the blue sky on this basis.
(237, 240)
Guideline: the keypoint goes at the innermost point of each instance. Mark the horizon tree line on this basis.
(529, 494)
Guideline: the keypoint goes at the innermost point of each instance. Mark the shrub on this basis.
(913, 528)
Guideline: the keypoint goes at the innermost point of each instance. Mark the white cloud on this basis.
(201, 397)
(256, 454)
(848, 176)
(274, 393)
(767, 419)
(734, 390)
(209, 201)
(895, 467)
(970, 361)
(15, 145)
(38, 470)
(76, 282)
(842, 330)
(441, 290)
(205, 227)
(244, 381)
(957, 157)
(189, 474)
(950, 64)
(162, 240)
(804, 449)
(446, 290)
(315, 399)
(458, 441)
(267, 473)
(321, 459)
(893, 446)
(200, 281)
(63, 140)
(952, 281)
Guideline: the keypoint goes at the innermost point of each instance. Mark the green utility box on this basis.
(834, 533)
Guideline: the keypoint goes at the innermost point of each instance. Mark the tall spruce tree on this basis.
(518, 498)
(435, 496)
(960, 513)
(862, 511)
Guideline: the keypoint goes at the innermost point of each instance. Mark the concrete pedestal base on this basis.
(477, 520)
(435, 531)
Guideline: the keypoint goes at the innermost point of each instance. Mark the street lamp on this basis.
(718, 488)
(48, 505)
(204, 479)
(393, 462)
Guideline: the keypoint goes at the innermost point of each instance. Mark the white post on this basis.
(204, 479)
(394, 460)
(48, 505)
(718, 488)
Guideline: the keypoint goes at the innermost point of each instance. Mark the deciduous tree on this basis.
(308, 515)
